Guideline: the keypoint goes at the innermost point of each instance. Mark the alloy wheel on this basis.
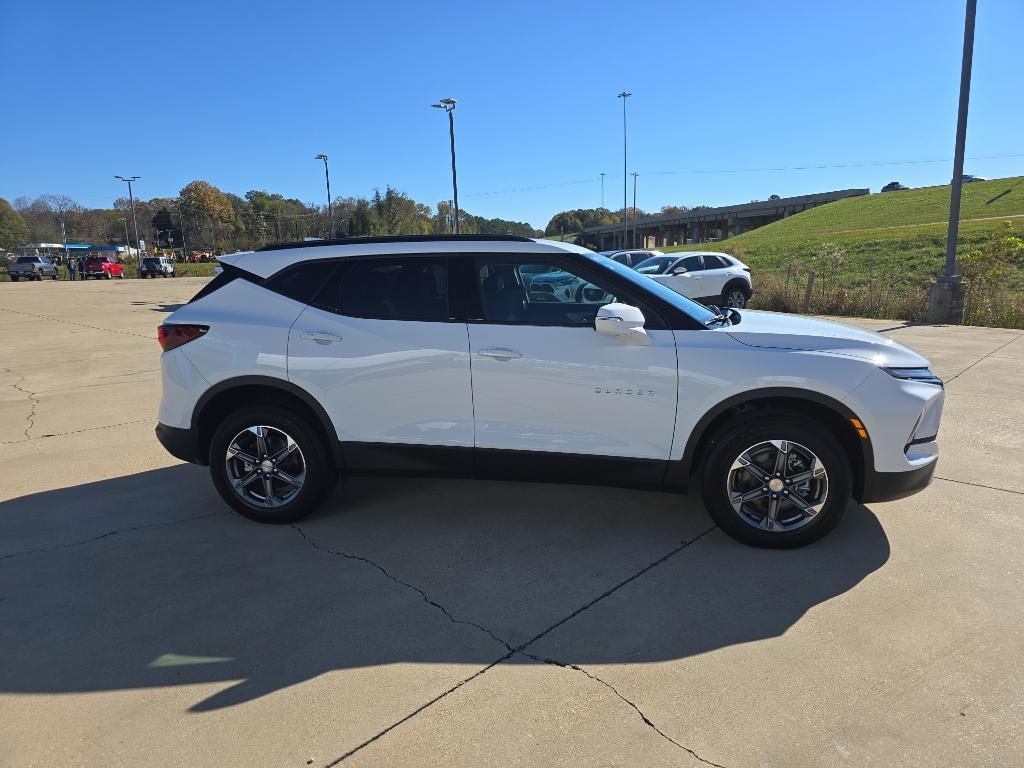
(736, 299)
(265, 466)
(777, 486)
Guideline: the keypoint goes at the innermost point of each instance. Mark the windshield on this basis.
(698, 312)
(655, 265)
(27, 259)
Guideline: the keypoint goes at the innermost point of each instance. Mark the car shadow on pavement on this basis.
(146, 581)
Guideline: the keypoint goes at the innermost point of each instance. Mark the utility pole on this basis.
(602, 189)
(330, 210)
(181, 217)
(633, 241)
(64, 238)
(625, 210)
(135, 223)
(946, 295)
(448, 105)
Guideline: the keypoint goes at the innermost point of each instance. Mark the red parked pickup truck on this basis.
(104, 267)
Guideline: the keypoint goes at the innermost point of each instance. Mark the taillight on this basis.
(173, 336)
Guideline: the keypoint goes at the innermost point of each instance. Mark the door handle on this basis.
(500, 353)
(321, 337)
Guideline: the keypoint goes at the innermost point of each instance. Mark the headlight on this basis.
(923, 375)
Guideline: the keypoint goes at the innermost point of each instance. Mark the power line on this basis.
(769, 169)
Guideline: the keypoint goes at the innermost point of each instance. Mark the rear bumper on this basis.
(889, 486)
(178, 442)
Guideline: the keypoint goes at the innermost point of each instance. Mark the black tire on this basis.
(56, 276)
(320, 473)
(15, 278)
(735, 438)
(734, 289)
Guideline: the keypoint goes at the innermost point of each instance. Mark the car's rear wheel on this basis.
(270, 465)
(734, 296)
(778, 481)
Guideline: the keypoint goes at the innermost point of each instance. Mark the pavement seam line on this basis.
(979, 485)
(74, 431)
(985, 357)
(683, 545)
(32, 397)
(511, 650)
(646, 720)
(416, 711)
(71, 322)
(108, 534)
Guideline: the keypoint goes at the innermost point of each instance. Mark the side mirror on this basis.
(622, 321)
(679, 270)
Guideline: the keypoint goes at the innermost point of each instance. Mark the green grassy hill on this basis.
(891, 240)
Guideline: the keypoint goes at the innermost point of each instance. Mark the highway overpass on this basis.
(705, 224)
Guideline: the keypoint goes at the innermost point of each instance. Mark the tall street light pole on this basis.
(633, 241)
(135, 224)
(330, 210)
(602, 189)
(946, 294)
(448, 105)
(961, 139)
(625, 216)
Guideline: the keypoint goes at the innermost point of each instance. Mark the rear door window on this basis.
(411, 288)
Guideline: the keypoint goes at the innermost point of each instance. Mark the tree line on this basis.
(572, 221)
(212, 220)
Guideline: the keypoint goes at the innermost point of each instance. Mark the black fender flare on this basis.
(747, 289)
(679, 472)
(238, 382)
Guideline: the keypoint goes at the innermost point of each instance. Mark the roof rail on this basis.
(393, 239)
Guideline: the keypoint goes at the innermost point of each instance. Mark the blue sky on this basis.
(243, 94)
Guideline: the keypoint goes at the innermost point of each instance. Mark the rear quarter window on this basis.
(302, 282)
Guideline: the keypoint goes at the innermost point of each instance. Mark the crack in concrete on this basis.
(512, 650)
(426, 599)
(33, 398)
(108, 534)
(646, 720)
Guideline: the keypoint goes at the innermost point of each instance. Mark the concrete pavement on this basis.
(420, 622)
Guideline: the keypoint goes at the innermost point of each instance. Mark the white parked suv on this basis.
(706, 276)
(430, 356)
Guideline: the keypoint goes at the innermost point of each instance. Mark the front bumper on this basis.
(889, 486)
(178, 442)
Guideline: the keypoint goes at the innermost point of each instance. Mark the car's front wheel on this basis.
(270, 465)
(734, 296)
(777, 481)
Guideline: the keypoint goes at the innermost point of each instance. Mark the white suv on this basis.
(431, 356)
(705, 276)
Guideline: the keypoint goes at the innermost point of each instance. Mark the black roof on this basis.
(393, 239)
